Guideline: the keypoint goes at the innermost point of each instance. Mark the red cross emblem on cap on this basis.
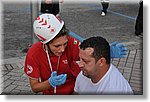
(52, 30)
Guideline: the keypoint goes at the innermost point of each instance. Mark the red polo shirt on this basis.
(37, 66)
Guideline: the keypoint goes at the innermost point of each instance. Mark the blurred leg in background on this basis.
(50, 6)
(105, 5)
(139, 21)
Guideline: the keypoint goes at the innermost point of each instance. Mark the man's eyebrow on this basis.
(84, 59)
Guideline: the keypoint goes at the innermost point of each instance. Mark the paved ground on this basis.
(84, 20)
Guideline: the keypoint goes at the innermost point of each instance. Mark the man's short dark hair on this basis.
(100, 45)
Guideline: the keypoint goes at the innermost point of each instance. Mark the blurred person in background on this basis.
(51, 6)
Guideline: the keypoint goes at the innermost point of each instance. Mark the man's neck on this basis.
(100, 73)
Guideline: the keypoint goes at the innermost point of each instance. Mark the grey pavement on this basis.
(84, 20)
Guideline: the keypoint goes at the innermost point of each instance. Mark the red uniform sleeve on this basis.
(31, 67)
(74, 55)
(75, 49)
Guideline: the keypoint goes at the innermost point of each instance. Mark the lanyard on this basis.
(51, 65)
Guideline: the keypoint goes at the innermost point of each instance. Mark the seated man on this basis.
(98, 75)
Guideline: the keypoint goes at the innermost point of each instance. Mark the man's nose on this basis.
(81, 65)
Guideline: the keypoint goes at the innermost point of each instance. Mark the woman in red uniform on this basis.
(51, 64)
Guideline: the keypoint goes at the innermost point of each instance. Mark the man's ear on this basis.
(102, 61)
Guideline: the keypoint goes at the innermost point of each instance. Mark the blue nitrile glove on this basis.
(55, 80)
(118, 50)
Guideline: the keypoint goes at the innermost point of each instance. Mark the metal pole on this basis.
(34, 15)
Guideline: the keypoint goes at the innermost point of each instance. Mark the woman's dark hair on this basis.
(62, 32)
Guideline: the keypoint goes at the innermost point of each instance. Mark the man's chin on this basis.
(85, 74)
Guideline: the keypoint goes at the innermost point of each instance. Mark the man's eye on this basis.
(84, 61)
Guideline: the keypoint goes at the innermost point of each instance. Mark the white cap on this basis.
(47, 26)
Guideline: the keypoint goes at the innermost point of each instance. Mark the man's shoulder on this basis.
(115, 70)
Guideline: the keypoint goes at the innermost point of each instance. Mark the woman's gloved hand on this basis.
(118, 50)
(55, 80)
